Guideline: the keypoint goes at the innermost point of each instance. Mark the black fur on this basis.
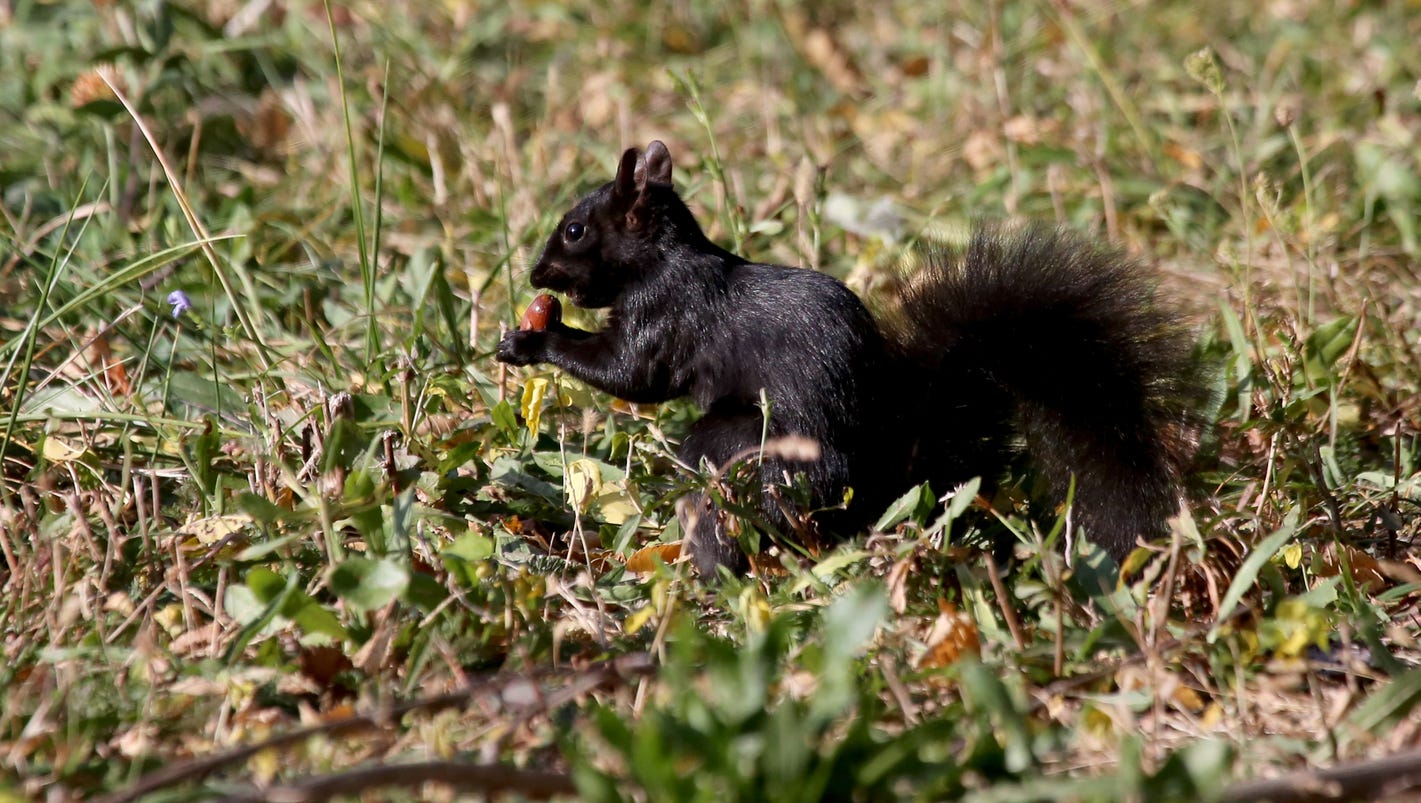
(1032, 335)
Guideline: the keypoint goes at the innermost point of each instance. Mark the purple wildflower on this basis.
(181, 303)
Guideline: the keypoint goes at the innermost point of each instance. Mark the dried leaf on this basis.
(898, 581)
(1366, 571)
(915, 66)
(323, 663)
(953, 635)
(101, 360)
(643, 561)
(268, 126)
(1023, 128)
(194, 641)
(821, 50)
(1187, 157)
(1187, 698)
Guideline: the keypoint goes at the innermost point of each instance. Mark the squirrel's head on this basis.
(612, 238)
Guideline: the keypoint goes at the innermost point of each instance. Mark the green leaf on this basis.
(1198, 769)
(904, 507)
(1380, 712)
(471, 546)
(1326, 345)
(266, 593)
(267, 585)
(193, 395)
(368, 583)
(509, 472)
(836, 562)
(959, 502)
(260, 550)
(242, 605)
(315, 619)
(849, 624)
(986, 693)
(259, 508)
(1251, 565)
(622, 542)
(852, 620)
(425, 592)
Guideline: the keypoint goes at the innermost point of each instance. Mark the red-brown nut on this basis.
(542, 313)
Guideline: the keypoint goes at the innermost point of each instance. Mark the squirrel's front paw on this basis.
(521, 348)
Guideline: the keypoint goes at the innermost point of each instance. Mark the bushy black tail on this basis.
(1038, 340)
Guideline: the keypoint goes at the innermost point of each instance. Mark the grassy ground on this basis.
(312, 500)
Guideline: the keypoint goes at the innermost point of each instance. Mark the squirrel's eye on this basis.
(574, 232)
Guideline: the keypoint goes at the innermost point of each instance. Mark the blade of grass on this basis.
(199, 230)
(1248, 572)
(372, 335)
(357, 208)
(31, 333)
(734, 219)
(132, 272)
(1061, 13)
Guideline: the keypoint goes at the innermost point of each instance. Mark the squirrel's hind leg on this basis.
(706, 539)
(717, 437)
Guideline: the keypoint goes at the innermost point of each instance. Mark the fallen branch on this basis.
(584, 681)
(1358, 780)
(486, 778)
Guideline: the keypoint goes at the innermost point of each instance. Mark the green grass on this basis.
(316, 494)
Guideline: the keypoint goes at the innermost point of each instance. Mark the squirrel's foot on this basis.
(522, 348)
(706, 539)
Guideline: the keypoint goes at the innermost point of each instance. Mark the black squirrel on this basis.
(1029, 340)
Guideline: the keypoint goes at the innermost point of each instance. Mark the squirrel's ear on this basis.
(625, 186)
(632, 196)
(658, 163)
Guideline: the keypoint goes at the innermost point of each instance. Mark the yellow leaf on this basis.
(615, 506)
(1249, 639)
(1213, 715)
(1097, 722)
(638, 619)
(266, 764)
(214, 528)
(533, 392)
(1293, 555)
(1187, 698)
(1294, 626)
(57, 451)
(754, 608)
(582, 482)
(170, 618)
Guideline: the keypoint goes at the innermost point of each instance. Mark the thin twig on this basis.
(1003, 601)
(585, 680)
